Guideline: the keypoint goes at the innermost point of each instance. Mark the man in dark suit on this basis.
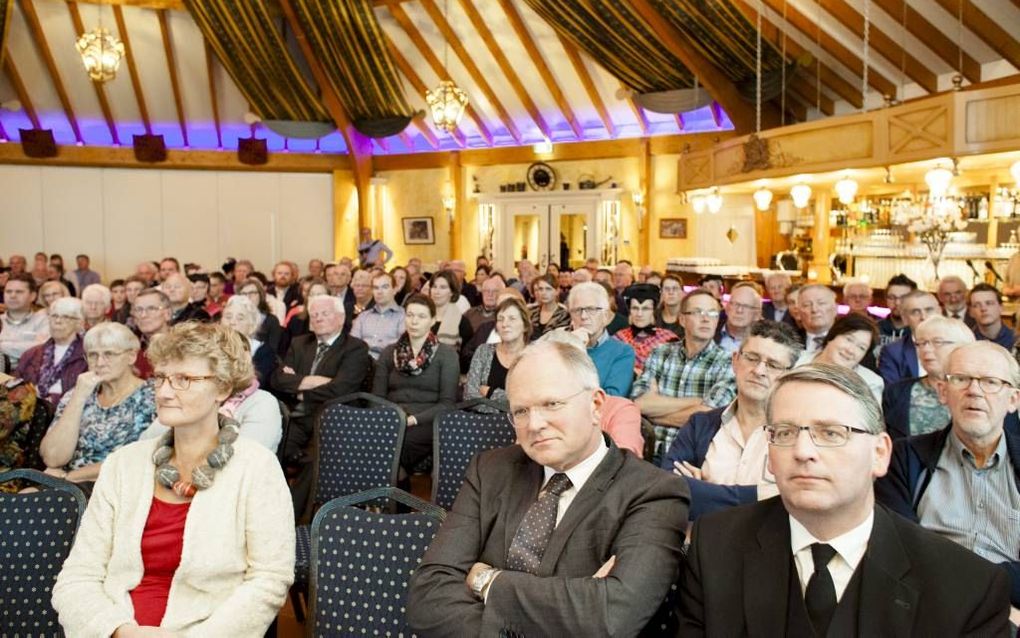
(822, 559)
(777, 285)
(562, 534)
(898, 360)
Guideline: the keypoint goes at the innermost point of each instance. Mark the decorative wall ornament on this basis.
(756, 154)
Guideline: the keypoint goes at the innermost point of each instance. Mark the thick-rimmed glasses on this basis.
(586, 310)
(141, 311)
(753, 359)
(177, 381)
(711, 314)
(521, 417)
(829, 435)
(935, 343)
(93, 357)
(989, 385)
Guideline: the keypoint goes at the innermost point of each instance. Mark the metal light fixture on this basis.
(714, 201)
(846, 190)
(938, 180)
(801, 194)
(698, 203)
(447, 101)
(449, 201)
(762, 199)
(101, 53)
(639, 206)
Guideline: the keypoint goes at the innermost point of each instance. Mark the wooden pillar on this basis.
(345, 202)
(456, 177)
(820, 237)
(647, 187)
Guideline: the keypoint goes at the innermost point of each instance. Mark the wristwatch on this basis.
(480, 583)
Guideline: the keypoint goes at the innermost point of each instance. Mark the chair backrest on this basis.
(284, 429)
(36, 534)
(460, 434)
(362, 562)
(358, 448)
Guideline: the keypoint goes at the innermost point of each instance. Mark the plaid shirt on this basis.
(643, 344)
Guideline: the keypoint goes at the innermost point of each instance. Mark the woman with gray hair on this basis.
(242, 315)
(54, 365)
(108, 407)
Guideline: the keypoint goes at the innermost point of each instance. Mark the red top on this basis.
(162, 544)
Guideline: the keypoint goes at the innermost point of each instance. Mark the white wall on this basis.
(122, 216)
(737, 212)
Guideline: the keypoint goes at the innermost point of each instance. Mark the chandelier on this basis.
(801, 194)
(846, 190)
(762, 199)
(447, 103)
(101, 54)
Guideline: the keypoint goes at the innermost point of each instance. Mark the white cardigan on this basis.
(236, 565)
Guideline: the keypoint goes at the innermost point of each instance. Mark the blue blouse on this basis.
(103, 430)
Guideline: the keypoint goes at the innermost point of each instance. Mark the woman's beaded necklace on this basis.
(203, 475)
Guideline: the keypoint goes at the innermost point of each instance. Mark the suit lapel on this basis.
(888, 603)
(767, 575)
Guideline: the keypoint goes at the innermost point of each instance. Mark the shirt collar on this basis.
(580, 473)
(331, 340)
(960, 451)
(850, 545)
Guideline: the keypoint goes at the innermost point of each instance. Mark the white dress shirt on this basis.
(850, 547)
(578, 475)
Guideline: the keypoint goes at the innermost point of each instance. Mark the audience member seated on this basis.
(723, 453)
(952, 294)
(714, 285)
(564, 280)
(817, 305)
(547, 313)
(297, 319)
(590, 313)
(147, 272)
(623, 277)
(526, 273)
(83, 275)
(131, 571)
(420, 374)
(742, 310)
(199, 289)
(402, 284)
(168, 266)
(151, 314)
(177, 289)
(599, 559)
(485, 312)
(53, 366)
(96, 300)
(269, 331)
(985, 306)
(50, 291)
(19, 427)
(382, 324)
(118, 297)
(912, 406)
(899, 359)
(218, 296)
(667, 315)
(689, 376)
(285, 286)
(21, 325)
(469, 295)
(642, 335)
(849, 340)
(361, 286)
(55, 274)
(963, 482)
(490, 363)
(108, 407)
(857, 296)
(451, 328)
(792, 301)
(242, 315)
(823, 559)
(893, 327)
(777, 285)
(132, 286)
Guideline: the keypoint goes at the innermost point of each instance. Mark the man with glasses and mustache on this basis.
(151, 312)
(722, 452)
(561, 534)
(963, 482)
(743, 309)
(822, 558)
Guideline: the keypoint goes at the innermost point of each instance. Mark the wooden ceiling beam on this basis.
(543, 68)
(100, 87)
(639, 113)
(680, 124)
(39, 38)
(882, 44)
(210, 62)
(175, 85)
(798, 107)
(711, 77)
(426, 132)
(476, 74)
(933, 38)
(589, 86)
(419, 86)
(3, 133)
(159, 5)
(20, 90)
(129, 60)
(811, 95)
(505, 66)
(978, 22)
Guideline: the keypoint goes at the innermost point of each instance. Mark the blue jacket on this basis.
(615, 362)
(913, 462)
(691, 445)
(896, 409)
(898, 360)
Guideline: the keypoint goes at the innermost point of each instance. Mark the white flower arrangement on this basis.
(931, 223)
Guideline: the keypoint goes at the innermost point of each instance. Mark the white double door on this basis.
(563, 233)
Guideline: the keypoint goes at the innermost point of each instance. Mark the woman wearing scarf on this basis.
(451, 327)
(54, 365)
(419, 374)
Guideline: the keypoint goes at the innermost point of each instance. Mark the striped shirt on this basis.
(976, 508)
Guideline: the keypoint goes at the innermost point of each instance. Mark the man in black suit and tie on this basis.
(562, 534)
(822, 559)
(777, 285)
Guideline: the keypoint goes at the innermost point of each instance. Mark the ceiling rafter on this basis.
(426, 132)
(639, 113)
(938, 42)
(543, 68)
(882, 43)
(505, 66)
(710, 76)
(406, 139)
(811, 95)
(175, 85)
(170, 5)
(210, 63)
(100, 87)
(39, 38)
(3, 133)
(679, 118)
(978, 22)
(20, 90)
(416, 81)
(772, 34)
(437, 67)
(589, 86)
(129, 59)
(798, 107)
(450, 37)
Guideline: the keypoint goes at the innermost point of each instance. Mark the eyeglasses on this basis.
(743, 307)
(146, 310)
(711, 314)
(65, 318)
(520, 417)
(754, 359)
(587, 310)
(833, 435)
(936, 343)
(93, 357)
(989, 385)
(177, 381)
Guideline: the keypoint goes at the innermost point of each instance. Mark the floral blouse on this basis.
(103, 430)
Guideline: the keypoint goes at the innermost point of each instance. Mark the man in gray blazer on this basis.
(561, 534)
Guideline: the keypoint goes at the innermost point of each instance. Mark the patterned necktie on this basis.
(532, 537)
(820, 595)
(818, 341)
(320, 352)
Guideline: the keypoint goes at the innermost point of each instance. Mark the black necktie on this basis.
(820, 595)
(532, 537)
(320, 352)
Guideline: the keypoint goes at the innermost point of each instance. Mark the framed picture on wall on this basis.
(673, 228)
(418, 230)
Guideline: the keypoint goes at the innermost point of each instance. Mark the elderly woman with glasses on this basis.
(133, 571)
(53, 366)
(107, 408)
